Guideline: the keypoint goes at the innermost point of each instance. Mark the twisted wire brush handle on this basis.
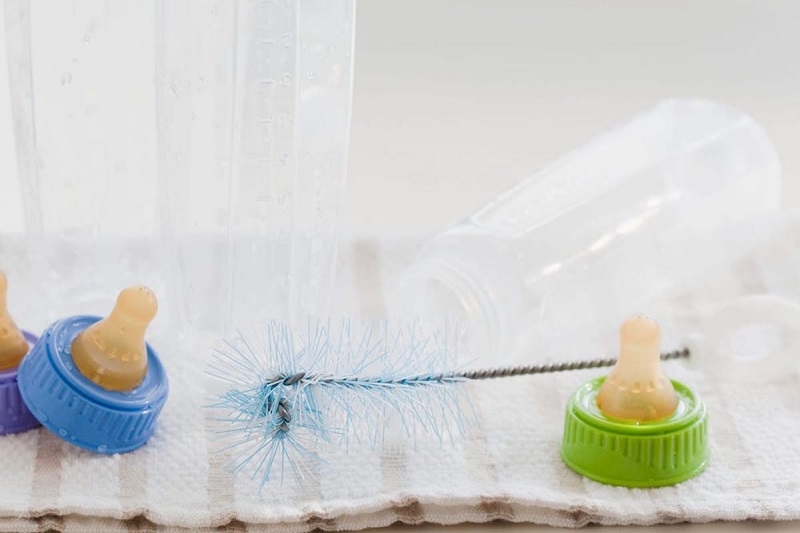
(550, 368)
(453, 377)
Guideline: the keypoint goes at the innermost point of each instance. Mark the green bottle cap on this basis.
(635, 454)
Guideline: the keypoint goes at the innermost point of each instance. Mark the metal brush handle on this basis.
(549, 368)
(452, 377)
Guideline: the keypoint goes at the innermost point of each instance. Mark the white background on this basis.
(456, 100)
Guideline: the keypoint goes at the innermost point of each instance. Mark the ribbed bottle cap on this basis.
(80, 411)
(630, 453)
(14, 414)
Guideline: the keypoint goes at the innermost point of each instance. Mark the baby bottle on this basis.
(579, 245)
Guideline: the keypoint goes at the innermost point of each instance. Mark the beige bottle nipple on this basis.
(13, 345)
(112, 352)
(637, 389)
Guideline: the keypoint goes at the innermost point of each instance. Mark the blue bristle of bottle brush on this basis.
(289, 394)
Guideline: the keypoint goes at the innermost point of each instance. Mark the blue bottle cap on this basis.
(14, 414)
(79, 411)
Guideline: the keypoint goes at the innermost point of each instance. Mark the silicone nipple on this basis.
(13, 345)
(112, 352)
(637, 389)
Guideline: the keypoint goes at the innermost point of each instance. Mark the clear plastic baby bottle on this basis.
(83, 106)
(196, 147)
(591, 239)
(253, 122)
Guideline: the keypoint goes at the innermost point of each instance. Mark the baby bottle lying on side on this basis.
(619, 221)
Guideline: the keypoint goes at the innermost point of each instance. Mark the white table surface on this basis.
(714, 527)
(456, 100)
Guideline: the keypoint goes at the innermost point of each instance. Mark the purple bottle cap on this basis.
(14, 414)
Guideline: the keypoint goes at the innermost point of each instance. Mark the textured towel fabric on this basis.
(507, 466)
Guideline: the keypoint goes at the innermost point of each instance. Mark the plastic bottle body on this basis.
(253, 137)
(82, 100)
(591, 239)
(197, 147)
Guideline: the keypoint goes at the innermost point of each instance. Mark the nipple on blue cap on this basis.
(112, 352)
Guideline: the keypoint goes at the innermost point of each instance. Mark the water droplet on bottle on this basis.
(102, 448)
(86, 38)
(66, 78)
(62, 432)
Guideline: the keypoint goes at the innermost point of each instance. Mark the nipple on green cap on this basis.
(637, 389)
(636, 428)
